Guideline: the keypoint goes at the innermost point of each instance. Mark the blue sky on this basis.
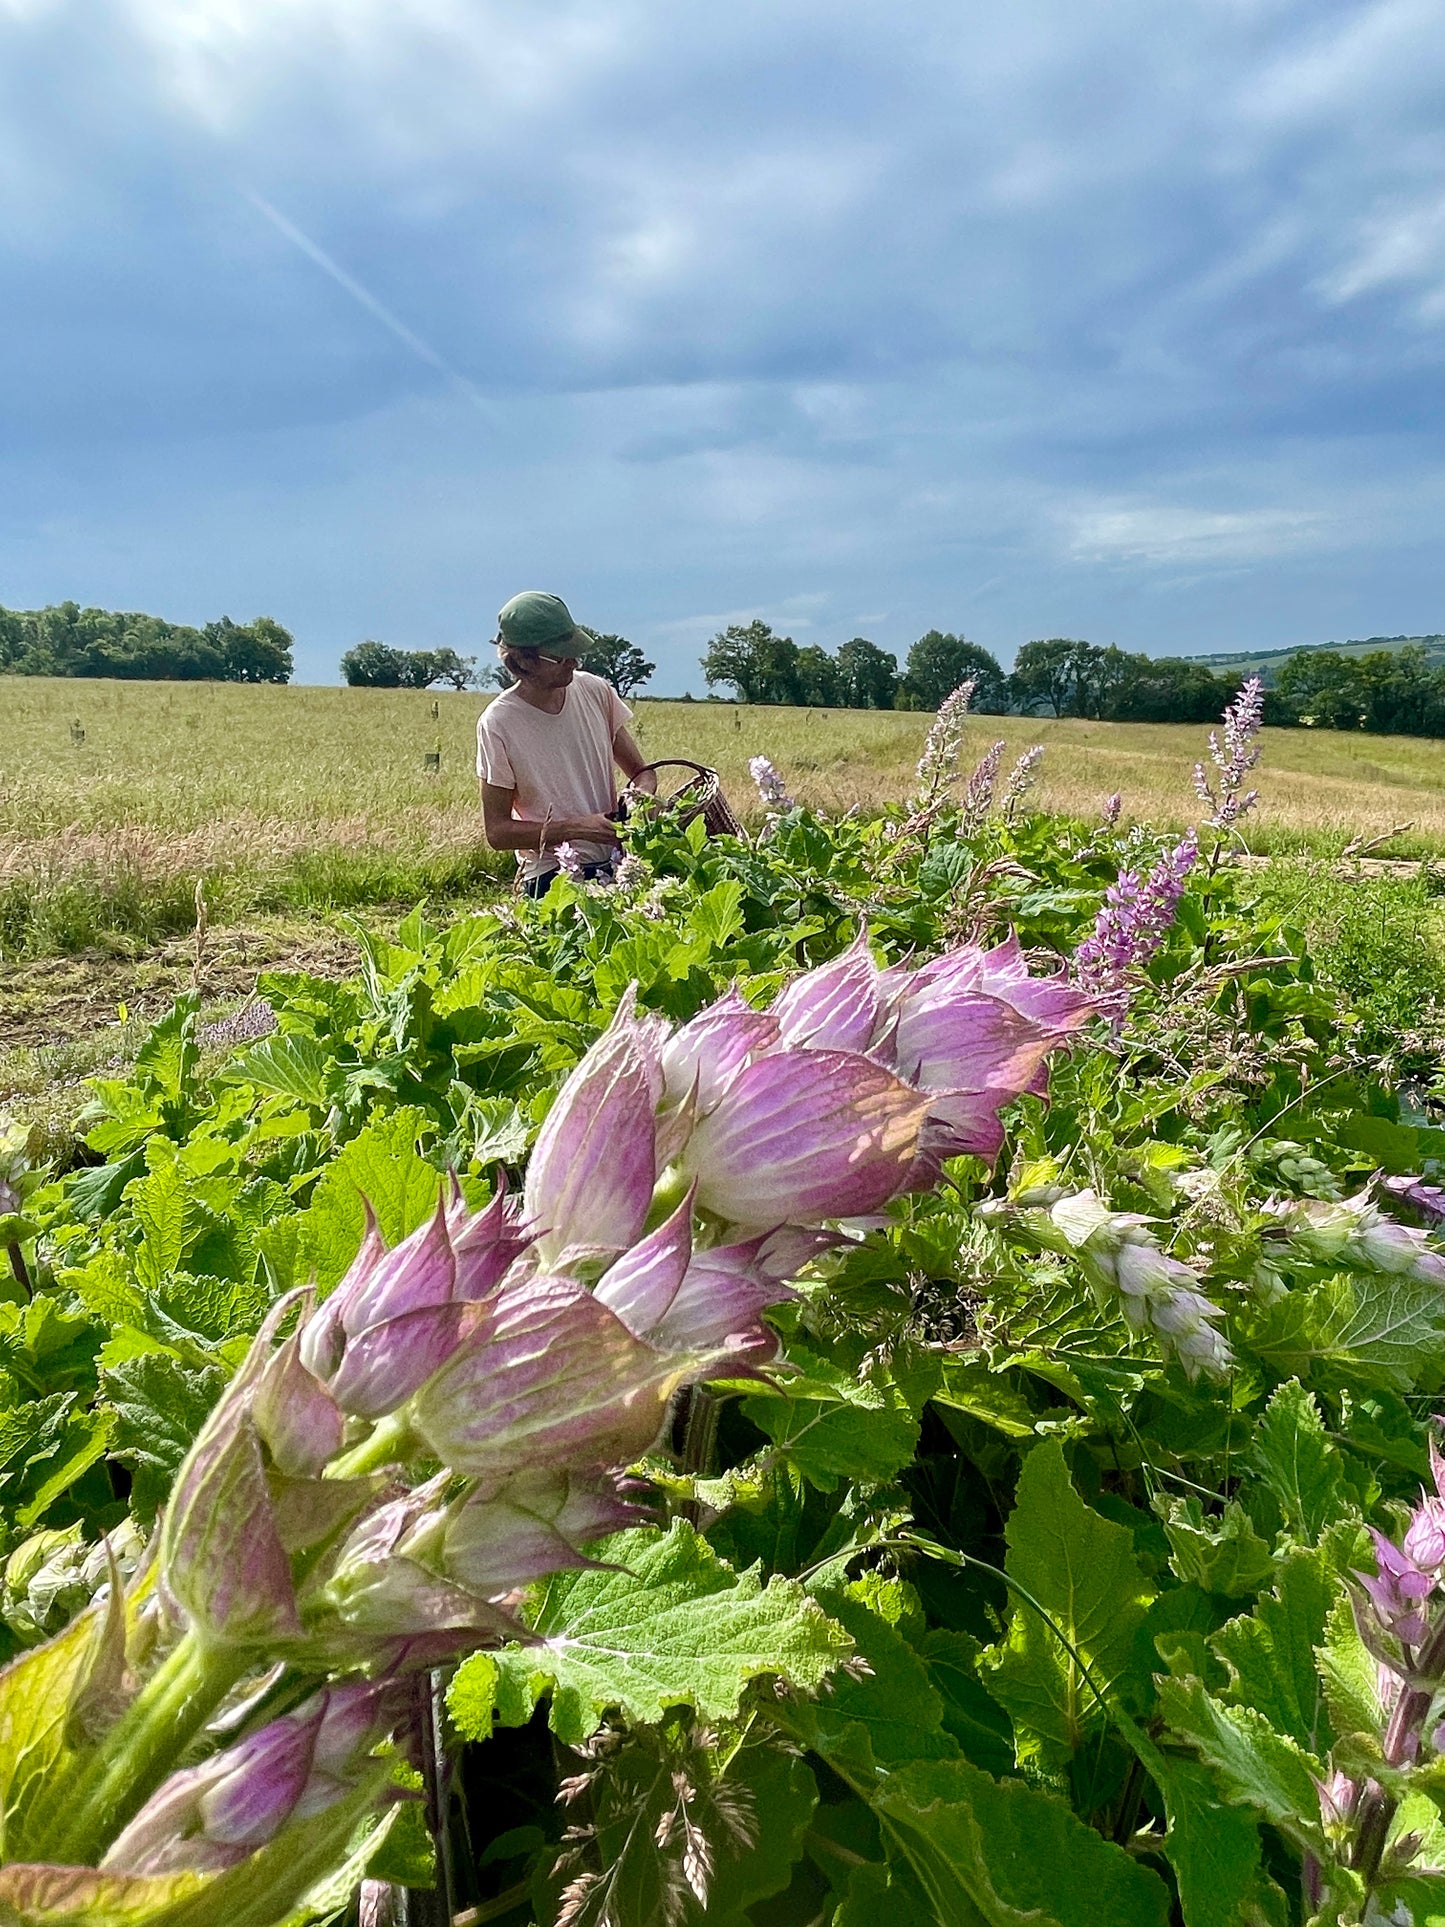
(1123, 320)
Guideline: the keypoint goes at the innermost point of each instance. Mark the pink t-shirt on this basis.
(555, 766)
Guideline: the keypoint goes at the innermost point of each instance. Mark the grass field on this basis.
(118, 798)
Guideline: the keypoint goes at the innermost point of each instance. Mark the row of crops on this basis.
(883, 1373)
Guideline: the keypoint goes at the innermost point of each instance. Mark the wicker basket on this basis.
(700, 793)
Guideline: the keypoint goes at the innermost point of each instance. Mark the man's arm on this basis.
(631, 761)
(507, 832)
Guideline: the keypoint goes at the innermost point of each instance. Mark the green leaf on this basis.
(1002, 1853)
(971, 1715)
(831, 1424)
(1081, 1571)
(158, 1204)
(1224, 1555)
(381, 1165)
(1259, 1766)
(886, 1895)
(1271, 1651)
(83, 1897)
(1349, 1674)
(168, 1056)
(160, 1404)
(717, 914)
(664, 1623)
(1372, 1327)
(289, 1064)
(1297, 1462)
(893, 1712)
(1213, 1848)
(972, 1387)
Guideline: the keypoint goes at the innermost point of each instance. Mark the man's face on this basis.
(550, 668)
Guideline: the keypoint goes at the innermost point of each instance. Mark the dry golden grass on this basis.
(196, 779)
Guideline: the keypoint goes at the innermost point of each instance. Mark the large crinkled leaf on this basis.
(1002, 1853)
(832, 1424)
(1081, 1571)
(289, 1064)
(1297, 1463)
(1259, 1767)
(1372, 1327)
(380, 1165)
(663, 1622)
(1271, 1651)
(1221, 1554)
(158, 1204)
(1349, 1675)
(160, 1404)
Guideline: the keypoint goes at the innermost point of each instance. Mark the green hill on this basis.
(1267, 662)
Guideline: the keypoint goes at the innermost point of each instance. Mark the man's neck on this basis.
(552, 701)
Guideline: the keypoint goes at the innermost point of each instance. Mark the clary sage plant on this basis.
(389, 1467)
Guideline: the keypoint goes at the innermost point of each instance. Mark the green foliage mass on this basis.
(1080, 1621)
(70, 641)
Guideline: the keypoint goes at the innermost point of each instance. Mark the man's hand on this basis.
(596, 829)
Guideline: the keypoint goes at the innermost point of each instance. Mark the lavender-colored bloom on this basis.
(1397, 1592)
(498, 1539)
(217, 1814)
(397, 1314)
(979, 790)
(803, 1135)
(569, 862)
(1112, 806)
(1233, 758)
(938, 765)
(771, 787)
(632, 874)
(1021, 780)
(1354, 1231)
(1427, 1199)
(1136, 916)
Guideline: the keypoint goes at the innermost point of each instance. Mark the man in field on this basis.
(548, 747)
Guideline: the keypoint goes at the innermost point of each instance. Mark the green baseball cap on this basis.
(535, 620)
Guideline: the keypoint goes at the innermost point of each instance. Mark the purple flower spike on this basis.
(1233, 759)
(222, 1561)
(643, 1283)
(592, 1173)
(803, 1135)
(298, 1418)
(556, 1382)
(1136, 916)
(215, 1815)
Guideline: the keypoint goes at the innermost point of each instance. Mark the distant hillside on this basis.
(1267, 661)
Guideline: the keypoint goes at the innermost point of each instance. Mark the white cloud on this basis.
(1161, 533)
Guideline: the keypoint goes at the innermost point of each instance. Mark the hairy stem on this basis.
(141, 1749)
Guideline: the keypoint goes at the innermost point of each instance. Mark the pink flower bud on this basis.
(219, 1813)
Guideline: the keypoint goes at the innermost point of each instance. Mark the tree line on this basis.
(376, 665)
(66, 640)
(1399, 692)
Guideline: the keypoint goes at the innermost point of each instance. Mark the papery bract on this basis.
(804, 1134)
(594, 1167)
